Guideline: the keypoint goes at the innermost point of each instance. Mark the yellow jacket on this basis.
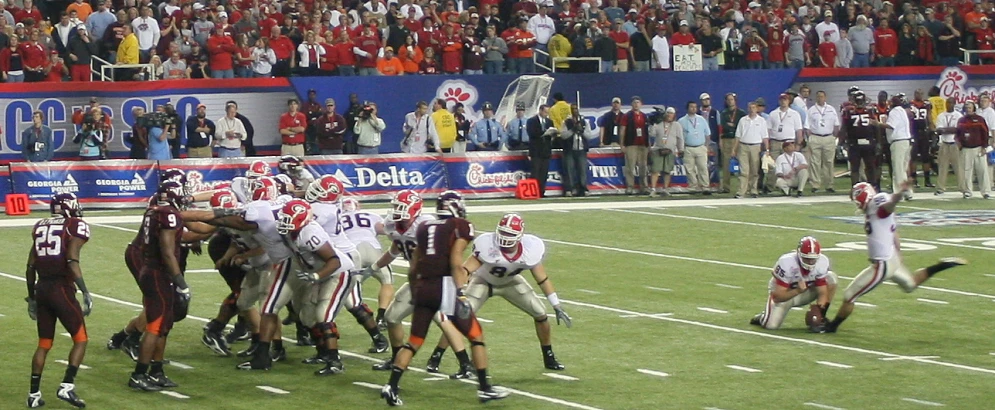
(445, 126)
(939, 106)
(559, 46)
(559, 112)
(127, 51)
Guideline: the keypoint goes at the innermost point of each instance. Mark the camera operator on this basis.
(91, 136)
(160, 126)
(576, 140)
(368, 128)
(170, 121)
(139, 138)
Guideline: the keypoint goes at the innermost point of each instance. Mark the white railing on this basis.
(968, 53)
(108, 67)
(553, 60)
(94, 68)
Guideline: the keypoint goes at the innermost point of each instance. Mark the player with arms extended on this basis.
(799, 278)
(54, 262)
(883, 250)
(437, 277)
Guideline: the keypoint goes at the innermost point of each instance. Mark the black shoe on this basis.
(753, 196)
(706, 193)
(380, 344)
(288, 320)
(304, 338)
(384, 366)
(259, 362)
(390, 395)
(67, 393)
(829, 328)
(142, 382)
(798, 194)
(382, 325)
(738, 196)
(465, 372)
(162, 381)
(279, 355)
(492, 393)
(251, 350)
(35, 401)
(930, 185)
(130, 348)
(830, 190)
(552, 364)
(814, 190)
(332, 366)
(238, 334)
(215, 342)
(433, 364)
(314, 360)
(756, 320)
(116, 340)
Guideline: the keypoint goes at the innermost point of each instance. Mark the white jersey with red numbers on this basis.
(789, 271)
(327, 215)
(308, 241)
(242, 188)
(499, 269)
(361, 227)
(880, 227)
(405, 241)
(263, 214)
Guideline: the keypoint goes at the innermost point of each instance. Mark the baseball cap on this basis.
(93, 99)
(760, 102)
(684, 22)
(223, 15)
(198, 6)
(487, 106)
(473, 16)
(199, 106)
(788, 142)
(388, 48)
(829, 13)
(790, 91)
(753, 5)
(616, 100)
(312, 91)
(329, 101)
(81, 27)
(704, 96)
(519, 106)
(633, 11)
(783, 96)
(671, 110)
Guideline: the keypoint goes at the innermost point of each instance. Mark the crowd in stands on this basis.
(56, 40)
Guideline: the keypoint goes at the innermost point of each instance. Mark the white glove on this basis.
(562, 315)
(87, 304)
(308, 277)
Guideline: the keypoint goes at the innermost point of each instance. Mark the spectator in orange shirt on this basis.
(410, 55)
(82, 9)
(388, 65)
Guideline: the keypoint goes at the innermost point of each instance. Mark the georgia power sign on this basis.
(933, 218)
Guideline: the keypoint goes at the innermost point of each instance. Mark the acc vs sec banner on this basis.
(110, 183)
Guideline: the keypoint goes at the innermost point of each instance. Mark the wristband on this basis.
(553, 300)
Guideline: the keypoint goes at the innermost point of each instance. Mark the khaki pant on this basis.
(636, 163)
(518, 292)
(458, 147)
(621, 66)
(201, 152)
(770, 179)
(797, 181)
(974, 164)
(696, 165)
(901, 153)
(725, 147)
(948, 156)
(821, 160)
(297, 150)
(749, 168)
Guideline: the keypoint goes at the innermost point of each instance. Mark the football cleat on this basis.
(433, 364)
(161, 380)
(756, 320)
(238, 334)
(380, 344)
(552, 364)
(491, 393)
(130, 347)
(116, 340)
(249, 351)
(465, 372)
(279, 355)
(261, 362)
(390, 395)
(382, 325)
(304, 337)
(314, 360)
(67, 393)
(332, 366)
(35, 401)
(384, 366)
(954, 261)
(216, 342)
(142, 382)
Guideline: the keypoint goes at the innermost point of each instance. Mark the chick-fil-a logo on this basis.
(953, 83)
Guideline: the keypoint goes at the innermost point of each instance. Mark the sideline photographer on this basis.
(92, 136)
(160, 126)
(368, 128)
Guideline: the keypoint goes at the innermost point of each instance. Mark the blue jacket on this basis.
(484, 141)
(37, 144)
(518, 133)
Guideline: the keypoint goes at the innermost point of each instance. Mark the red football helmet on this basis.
(406, 206)
(258, 169)
(862, 193)
(510, 230)
(327, 189)
(350, 204)
(224, 199)
(264, 189)
(808, 252)
(293, 216)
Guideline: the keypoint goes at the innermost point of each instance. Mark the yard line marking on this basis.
(114, 227)
(274, 390)
(589, 291)
(938, 302)
(81, 366)
(66, 334)
(180, 365)
(654, 315)
(822, 406)
(485, 320)
(435, 379)
(530, 395)
(560, 211)
(864, 304)
(723, 285)
(919, 208)
(368, 385)
(200, 271)
(653, 372)
(708, 309)
(833, 364)
(712, 408)
(560, 376)
(922, 402)
(710, 207)
(174, 394)
(990, 275)
(744, 368)
(660, 289)
(797, 308)
(913, 358)
(2, 315)
(629, 316)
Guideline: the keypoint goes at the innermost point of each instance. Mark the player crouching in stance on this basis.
(882, 250)
(437, 278)
(162, 284)
(54, 262)
(799, 278)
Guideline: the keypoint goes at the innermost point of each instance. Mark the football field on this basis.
(660, 291)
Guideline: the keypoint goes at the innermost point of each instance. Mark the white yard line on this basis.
(822, 406)
(864, 304)
(272, 389)
(723, 285)
(711, 310)
(560, 376)
(200, 271)
(592, 292)
(113, 227)
(653, 373)
(922, 402)
(368, 385)
(936, 302)
(660, 289)
(180, 365)
(81, 365)
(744, 368)
(174, 394)
(834, 364)
(914, 358)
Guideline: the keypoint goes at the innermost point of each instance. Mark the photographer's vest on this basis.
(90, 146)
(445, 126)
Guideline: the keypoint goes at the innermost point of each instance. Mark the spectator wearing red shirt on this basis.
(428, 37)
(622, 42)
(984, 40)
(346, 55)
(775, 51)
(35, 58)
(283, 47)
(520, 42)
(243, 58)
(267, 25)
(368, 50)
(452, 50)
(56, 69)
(292, 126)
(329, 63)
(220, 49)
(885, 45)
(411, 21)
(753, 47)
(29, 11)
(634, 136)
(683, 36)
(827, 51)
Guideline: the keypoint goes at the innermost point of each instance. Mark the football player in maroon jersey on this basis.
(861, 138)
(54, 262)
(924, 139)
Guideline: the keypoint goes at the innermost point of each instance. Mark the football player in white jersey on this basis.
(495, 264)
(403, 221)
(363, 228)
(293, 167)
(323, 271)
(799, 278)
(883, 250)
(324, 196)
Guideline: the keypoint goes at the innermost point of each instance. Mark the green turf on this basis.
(602, 350)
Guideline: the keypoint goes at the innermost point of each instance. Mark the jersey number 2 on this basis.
(48, 240)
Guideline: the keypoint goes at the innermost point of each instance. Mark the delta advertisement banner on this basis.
(112, 184)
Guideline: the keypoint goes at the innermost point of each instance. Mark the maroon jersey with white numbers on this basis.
(857, 121)
(435, 241)
(156, 219)
(51, 240)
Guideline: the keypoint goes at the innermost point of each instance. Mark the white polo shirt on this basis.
(989, 115)
(784, 124)
(752, 131)
(822, 120)
(898, 119)
(948, 120)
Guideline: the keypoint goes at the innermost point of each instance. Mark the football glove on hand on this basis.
(365, 273)
(32, 308)
(184, 294)
(87, 304)
(463, 308)
(561, 315)
(308, 277)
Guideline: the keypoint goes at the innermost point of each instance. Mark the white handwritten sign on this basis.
(687, 58)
